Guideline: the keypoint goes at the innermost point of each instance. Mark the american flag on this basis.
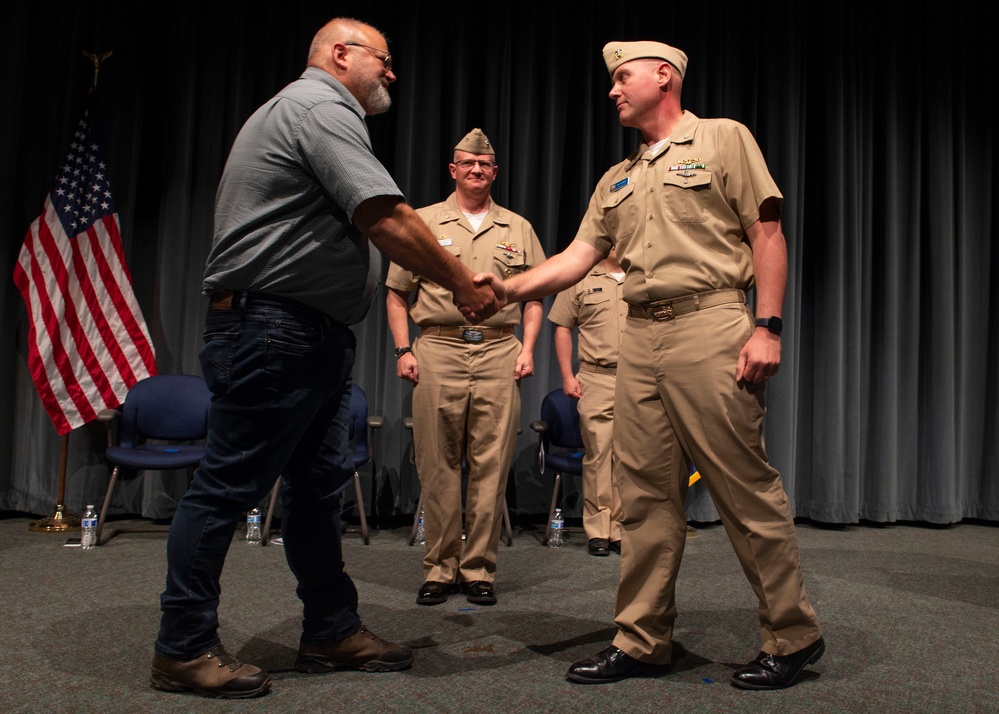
(87, 340)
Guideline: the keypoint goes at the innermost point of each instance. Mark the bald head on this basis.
(340, 29)
(357, 55)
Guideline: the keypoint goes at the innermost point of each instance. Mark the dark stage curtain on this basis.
(878, 121)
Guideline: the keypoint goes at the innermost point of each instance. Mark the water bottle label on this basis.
(253, 519)
(89, 523)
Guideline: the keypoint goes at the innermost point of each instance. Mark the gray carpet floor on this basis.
(910, 617)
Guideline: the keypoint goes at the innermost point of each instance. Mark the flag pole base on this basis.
(58, 522)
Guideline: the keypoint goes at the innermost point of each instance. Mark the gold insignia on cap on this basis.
(617, 53)
(475, 142)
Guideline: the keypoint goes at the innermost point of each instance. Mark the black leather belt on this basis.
(664, 310)
(599, 369)
(468, 333)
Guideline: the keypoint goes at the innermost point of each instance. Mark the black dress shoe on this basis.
(598, 546)
(769, 671)
(615, 545)
(612, 665)
(479, 592)
(432, 593)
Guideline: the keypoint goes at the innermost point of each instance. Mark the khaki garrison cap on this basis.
(617, 53)
(475, 142)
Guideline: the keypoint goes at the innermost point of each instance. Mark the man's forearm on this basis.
(397, 312)
(563, 351)
(555, 274)
(533, 312)
(401, 235)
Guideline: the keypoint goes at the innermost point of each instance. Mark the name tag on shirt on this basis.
(594, 290)
(619, 185)
(444, 242)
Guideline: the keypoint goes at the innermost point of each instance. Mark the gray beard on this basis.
(378, 99)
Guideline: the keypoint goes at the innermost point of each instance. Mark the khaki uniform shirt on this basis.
(594, 305)
(679, 218)
(504, 245)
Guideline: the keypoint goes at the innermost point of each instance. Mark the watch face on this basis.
(774, 324)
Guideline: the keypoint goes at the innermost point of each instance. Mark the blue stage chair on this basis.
(560, 444)
(170, 409)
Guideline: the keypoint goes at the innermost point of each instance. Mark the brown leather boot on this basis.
(363, 650)
(216, 673)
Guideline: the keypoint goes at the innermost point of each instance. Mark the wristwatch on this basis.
(773, 323)
(400, 351)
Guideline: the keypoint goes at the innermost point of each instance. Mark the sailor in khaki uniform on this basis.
(594, 306)
(466, 402)
(695, 218)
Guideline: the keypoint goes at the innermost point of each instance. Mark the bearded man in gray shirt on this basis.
(290, 269)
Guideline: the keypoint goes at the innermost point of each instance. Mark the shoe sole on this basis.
(315, 665)
(791, 682)
(648, 671)
(166, 684)
(482, 600)
(436, 599)
(431, 600)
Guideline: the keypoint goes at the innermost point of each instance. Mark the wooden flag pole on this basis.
(58, 522)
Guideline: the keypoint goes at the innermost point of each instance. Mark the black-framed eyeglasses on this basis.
(469, 164)
(386, 60)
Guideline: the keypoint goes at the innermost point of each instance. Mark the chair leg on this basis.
(266, 535)
(507, 533)
(416, 520)
(360, 508)
(104, 508)
(551, 509)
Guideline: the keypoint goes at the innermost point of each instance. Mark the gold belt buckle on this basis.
(663, 313)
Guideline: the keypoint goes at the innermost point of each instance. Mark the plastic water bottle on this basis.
(253, 527)
(421, 536)
(88, 535)
(555, 537)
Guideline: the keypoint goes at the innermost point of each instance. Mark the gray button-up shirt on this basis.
(298, 168)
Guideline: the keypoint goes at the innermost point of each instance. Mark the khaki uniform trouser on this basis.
(601, 502)
(677, 401)
(467, 402)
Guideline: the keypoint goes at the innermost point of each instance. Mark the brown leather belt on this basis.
(665, 310)
(224, 299)
(468, 333)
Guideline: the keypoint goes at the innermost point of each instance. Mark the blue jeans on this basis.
(280, 377)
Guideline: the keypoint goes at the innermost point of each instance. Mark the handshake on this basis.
(481, 297)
